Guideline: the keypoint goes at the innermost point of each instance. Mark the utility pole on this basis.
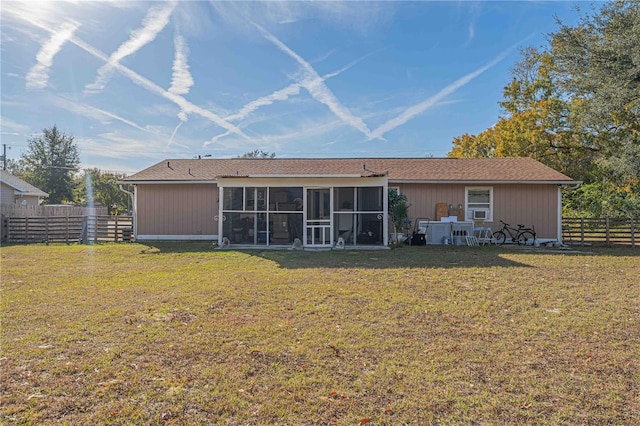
(4, 156)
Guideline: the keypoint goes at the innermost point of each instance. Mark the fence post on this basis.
(66, 233)
(582, 231)
(46, 228)
(26, 229)
(606, 231)
(115, 233)
(83, 233)
(633, 234)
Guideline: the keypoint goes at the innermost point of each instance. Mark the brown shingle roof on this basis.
(399, 169)
(18, 184)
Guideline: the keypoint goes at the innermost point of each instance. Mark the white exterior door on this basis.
(318, 224)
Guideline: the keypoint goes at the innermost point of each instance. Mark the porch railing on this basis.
(323, 228)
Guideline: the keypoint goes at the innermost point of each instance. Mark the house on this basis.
(14, 190)
(271, 202)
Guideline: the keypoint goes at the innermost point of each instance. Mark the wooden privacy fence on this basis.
(17, 210)
(603, 231)
(67, 229)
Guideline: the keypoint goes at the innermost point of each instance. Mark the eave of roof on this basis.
(166, 181)
(490, 182)
(21, 187)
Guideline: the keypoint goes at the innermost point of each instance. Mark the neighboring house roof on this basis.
(22, 187)
(499, 170)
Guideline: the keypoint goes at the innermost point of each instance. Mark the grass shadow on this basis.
(404, 257)
(430, 256)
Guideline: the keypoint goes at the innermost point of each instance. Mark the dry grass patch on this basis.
(184, 334)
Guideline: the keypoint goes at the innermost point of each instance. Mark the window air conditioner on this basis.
(480, 214)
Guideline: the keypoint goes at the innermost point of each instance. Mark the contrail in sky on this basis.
(175, 131)
(284, 94)
(136, 78)
(38, 76)
(278, 95)
(93, 112)
(184, 105)
(216, 139)
(414, 110)
(181, 80)
(156, 19)
(314, 84)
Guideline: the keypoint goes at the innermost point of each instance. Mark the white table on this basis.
(455, 232)
(460, 231)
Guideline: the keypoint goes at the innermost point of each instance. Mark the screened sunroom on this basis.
(319, 212)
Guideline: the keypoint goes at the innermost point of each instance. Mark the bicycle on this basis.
(520, 235)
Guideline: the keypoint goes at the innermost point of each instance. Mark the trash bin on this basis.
(126, 234)
(459, 237)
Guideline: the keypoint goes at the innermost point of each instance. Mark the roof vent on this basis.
(375, 174)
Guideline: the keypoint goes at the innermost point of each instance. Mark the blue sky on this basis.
(138, 82)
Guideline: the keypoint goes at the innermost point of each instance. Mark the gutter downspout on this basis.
(385, 215)
(135, 211)
(221, 214)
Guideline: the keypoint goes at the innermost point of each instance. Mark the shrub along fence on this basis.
(600, 231)
(89, 228)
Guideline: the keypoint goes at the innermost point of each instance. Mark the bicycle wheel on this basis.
(499, 237)
(526, 238)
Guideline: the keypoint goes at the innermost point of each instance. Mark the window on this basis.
(233, 199)
(370, 199)
(285, 199)
(479, 203)
(343, 199)
(262, 215)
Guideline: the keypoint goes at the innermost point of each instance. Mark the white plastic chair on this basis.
(472, 240)
(483, 234)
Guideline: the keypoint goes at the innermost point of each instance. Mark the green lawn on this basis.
(185, 334)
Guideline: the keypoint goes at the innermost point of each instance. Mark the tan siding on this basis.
(187, 209)
(526, 204)
(6, 193)
(529, 205)
(424, 197)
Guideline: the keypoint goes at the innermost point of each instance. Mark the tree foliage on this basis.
(576, 107)
(259, 154)
(538, 122)
(101, 189)
(15, 167)
(398, 205)
(598, 62)
(50, 162)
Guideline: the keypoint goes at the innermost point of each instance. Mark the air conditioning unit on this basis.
(480, 214)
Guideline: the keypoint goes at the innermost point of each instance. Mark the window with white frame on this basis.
(479, 203)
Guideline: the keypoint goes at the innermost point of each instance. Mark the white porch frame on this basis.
(307, 182)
